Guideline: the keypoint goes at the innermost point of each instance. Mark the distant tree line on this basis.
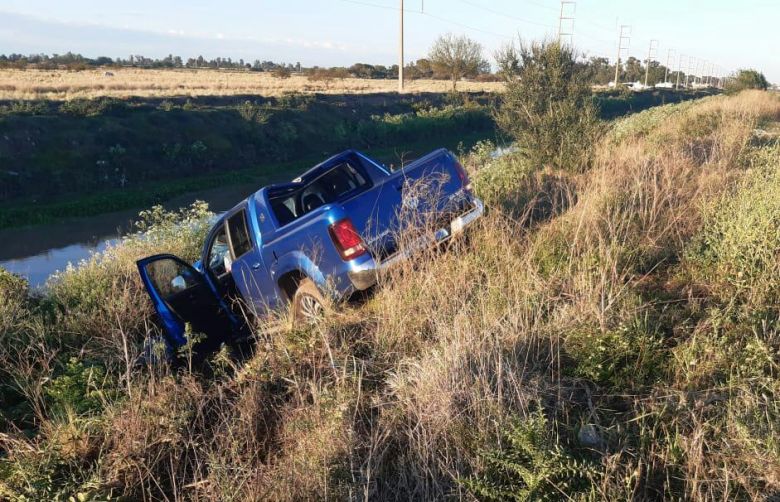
(442, 63)
(73, 61)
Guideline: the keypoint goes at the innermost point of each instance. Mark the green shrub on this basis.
(628, 357)
(254, 112)
(547, 107)
(80, 389)
(166, 105)
(25, 108)
(746, 79)
(530, 464)
(91, 107)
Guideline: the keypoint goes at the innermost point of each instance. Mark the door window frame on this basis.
(229, 234)
(210, 247)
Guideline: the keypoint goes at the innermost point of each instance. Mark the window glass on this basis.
(170, 277)
(239, 235)
(341, 181)
(219, 253)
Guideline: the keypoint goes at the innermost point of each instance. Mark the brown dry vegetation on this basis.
(636, 301)
(126, 82)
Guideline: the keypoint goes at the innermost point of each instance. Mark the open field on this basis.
(126, 82)
(610, 334)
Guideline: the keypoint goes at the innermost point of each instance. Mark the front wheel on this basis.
(308, 304)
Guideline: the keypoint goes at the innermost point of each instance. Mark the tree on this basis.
(457, 57)
(746, 79)
(508, 61)
(548, 108)
(281, 72)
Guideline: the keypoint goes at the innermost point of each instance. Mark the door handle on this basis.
(255, 266)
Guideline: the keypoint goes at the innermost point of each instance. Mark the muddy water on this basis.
(39, 251)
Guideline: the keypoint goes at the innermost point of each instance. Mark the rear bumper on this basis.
(367, 274)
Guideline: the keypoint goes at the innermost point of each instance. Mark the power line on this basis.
(433, 16)
(456, 23)
(542, 5)
(369, 4)
(561, 33)
(504, 14)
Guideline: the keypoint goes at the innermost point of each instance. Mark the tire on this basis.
(308, 304)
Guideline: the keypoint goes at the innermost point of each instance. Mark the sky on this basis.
(728, 33)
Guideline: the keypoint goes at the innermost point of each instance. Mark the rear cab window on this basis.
(343, 180)
(240, 242)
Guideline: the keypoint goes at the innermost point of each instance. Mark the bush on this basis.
(529, 464)
(282, 72)
(80, 389)
(91, 107)
(746, 79)
(547, 108)
(628, 357)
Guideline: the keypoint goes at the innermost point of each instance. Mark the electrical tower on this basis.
(668, 61)
(679, 70)
(623, 35)
(568, 11)
(691, 69)
(653, 48)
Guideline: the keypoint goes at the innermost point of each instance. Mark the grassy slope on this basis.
(635, 304)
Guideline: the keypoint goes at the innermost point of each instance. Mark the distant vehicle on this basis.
(328, 233)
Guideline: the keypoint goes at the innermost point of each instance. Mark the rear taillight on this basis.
(347, 240)
(463, 175)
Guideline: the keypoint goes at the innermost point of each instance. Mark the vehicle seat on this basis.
(283, 214)
(311, 202)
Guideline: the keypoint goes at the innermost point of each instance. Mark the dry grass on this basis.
(583, 297)
(126, 82)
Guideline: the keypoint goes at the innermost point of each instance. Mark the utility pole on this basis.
(668, 59)
(567, 16)
(679, 70)
(653, 47)
(621, 36)
(401, 54)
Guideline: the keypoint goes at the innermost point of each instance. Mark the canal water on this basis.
(38, 252)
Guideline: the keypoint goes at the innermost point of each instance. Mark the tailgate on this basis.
(427, 191)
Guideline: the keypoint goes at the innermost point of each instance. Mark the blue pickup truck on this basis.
(329, 233)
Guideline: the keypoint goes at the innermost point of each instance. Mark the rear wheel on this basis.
(308, 304)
